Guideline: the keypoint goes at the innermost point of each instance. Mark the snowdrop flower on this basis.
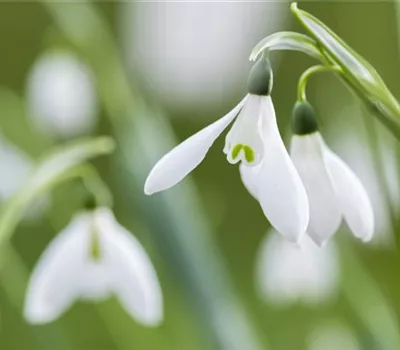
(287, 272)
(93, 258)
(253, 140)
(61, 95)
(334, 191)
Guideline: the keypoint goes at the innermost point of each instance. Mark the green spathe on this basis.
(260, 78)
(303, 119)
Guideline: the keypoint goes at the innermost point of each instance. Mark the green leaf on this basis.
(288, 41)
(358, 72)
(57, 167)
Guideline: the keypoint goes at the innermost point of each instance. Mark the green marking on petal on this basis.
(249, 153)
(95, 249)
(236, 150)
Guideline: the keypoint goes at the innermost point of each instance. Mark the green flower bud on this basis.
(260, 78)
(303, 119)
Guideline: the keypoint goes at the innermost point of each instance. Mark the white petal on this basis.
(182, 159)
(132, 276)
(277, 184)
(248, 176)
(325, 216)
(52, 287)
(274, 271)
(287, 272)
(353, 198)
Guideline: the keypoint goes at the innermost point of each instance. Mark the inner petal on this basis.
(244, 141)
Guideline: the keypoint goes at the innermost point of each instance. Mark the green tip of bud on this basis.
(260, 77)
(90, 202)
(303, 119)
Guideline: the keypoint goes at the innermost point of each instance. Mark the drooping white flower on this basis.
(61, 95)
(288, 272)
(254, 140)
(334, 191)
(92, 259)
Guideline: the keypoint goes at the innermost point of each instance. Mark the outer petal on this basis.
(181, 160)
(353, 198)
(52, 286)
(278, 186)
(325, 215)
(248, 176)
(132, 276)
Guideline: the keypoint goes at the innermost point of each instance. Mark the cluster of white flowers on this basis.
(304, 195)
(307, 192)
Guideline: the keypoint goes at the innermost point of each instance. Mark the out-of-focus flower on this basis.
(334, 191)
(15, 167)
(381, 178)
(190, 54)
(61, 95)
(254, 139)
(91, 259)
(287, 272)
(332, 337)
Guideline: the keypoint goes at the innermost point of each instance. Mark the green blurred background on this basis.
(162, 71)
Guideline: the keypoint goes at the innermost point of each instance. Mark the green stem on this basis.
(301, 89)
(14, 209)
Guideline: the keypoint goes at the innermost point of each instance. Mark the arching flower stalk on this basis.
(92, 259)
(334, 191)
(253, 140)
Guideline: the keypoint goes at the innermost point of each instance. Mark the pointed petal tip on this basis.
(36, 314)
(153, 319)
(148, 191)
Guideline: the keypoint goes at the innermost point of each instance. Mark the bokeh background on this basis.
(150, 74)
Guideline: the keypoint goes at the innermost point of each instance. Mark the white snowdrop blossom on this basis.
(289, 272)
(61, 95)
(334, 191)
(254, 140)
(92, 259)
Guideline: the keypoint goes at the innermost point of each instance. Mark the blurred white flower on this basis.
(332, 337)
(287, 272)
(93, 258)
(15, 167)
(61, 95)
(255, 141)
(192, 53)
(333, 190)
